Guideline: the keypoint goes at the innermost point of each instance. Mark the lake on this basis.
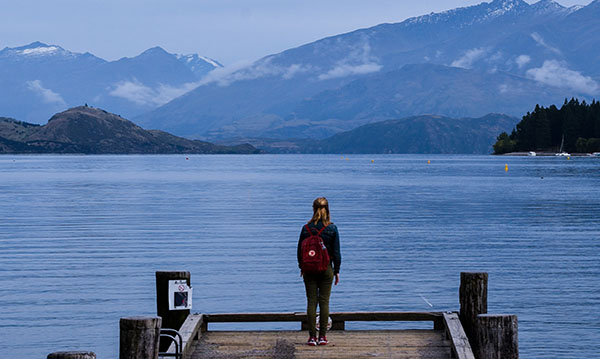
(82, 236)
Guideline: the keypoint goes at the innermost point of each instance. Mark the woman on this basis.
(318, 285)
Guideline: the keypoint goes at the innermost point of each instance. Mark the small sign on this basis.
(180, 295)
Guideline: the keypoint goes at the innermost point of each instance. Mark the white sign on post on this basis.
(180, 295)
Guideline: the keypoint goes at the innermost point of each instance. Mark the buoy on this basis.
(506, 168)
(346, 158)
(372, 161)
(568, 157)
(187, 158)
(428, 162)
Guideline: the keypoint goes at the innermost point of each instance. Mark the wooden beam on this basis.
(254, 317)
(457, 336)
(189, 332)
(339, 317)
(497, 336)
(472, 295)
(139, 337)
(385, 316)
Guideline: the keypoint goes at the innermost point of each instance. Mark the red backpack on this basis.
(315, 257)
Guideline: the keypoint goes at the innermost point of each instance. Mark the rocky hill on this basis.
(94, 131)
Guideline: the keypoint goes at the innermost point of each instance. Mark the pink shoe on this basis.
(323, 340)
(312, 341)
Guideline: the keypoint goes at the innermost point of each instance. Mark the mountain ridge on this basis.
(38, 80)
(523, 41)
(415, 134)
(90, 130)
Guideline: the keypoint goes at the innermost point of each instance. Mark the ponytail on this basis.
(320, 212)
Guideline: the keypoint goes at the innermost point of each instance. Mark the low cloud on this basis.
(48, 96)
(141, 94)
(555, 73)
(503, 88)
(293, 70)
(469, 58)
(538, 38)
(348, 70)
(250, 71)
(522, 60)
(357, 62)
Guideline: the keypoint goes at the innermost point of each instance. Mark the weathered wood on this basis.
(343, 344)
(72, 355)
(172, 319)
(458, 338)
(386, 316)
(473, 301)
(189, 332)
(338, 324)
(497, 336)
(139, 337)
(438, 323)
(338, 316)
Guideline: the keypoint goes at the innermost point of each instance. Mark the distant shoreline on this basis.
(544, 154)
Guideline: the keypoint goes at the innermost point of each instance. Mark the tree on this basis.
(504, 144)
(544, 129)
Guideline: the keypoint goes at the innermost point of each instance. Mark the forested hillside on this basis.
(544, 128)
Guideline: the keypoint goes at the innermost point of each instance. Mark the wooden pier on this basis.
(470, 333)
(446, 339)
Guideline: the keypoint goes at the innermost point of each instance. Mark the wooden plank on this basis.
(338, 316)
(189, 333)
(385, 316)
(254, 317)
(414, 343)
(458, 338)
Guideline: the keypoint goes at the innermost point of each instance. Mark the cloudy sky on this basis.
(230, 31)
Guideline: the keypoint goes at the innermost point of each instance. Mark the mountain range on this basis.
(415, 134)
(90, 130)
(38, 80)
(503, 56)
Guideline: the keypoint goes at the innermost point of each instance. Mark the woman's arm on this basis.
(337, 254)
(300, 248)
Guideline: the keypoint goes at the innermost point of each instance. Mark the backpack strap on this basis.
(311, 233)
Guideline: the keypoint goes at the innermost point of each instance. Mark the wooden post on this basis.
(473, 301)
(338, 325)
(71, 355)
(497, 336)
(172, 319)
(139, 337)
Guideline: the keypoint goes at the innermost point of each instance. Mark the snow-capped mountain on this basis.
(37, 51)
(199, 65)
(38, 80)
(511, 55)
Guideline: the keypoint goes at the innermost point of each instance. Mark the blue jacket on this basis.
(331, 239)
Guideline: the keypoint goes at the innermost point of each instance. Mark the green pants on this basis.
(318, 290)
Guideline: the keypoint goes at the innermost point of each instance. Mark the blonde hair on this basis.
(320, 212)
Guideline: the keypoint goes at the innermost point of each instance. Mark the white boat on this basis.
(532, 154)
(595, 154)
(562, 153)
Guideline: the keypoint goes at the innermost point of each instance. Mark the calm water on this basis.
(81, 238)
